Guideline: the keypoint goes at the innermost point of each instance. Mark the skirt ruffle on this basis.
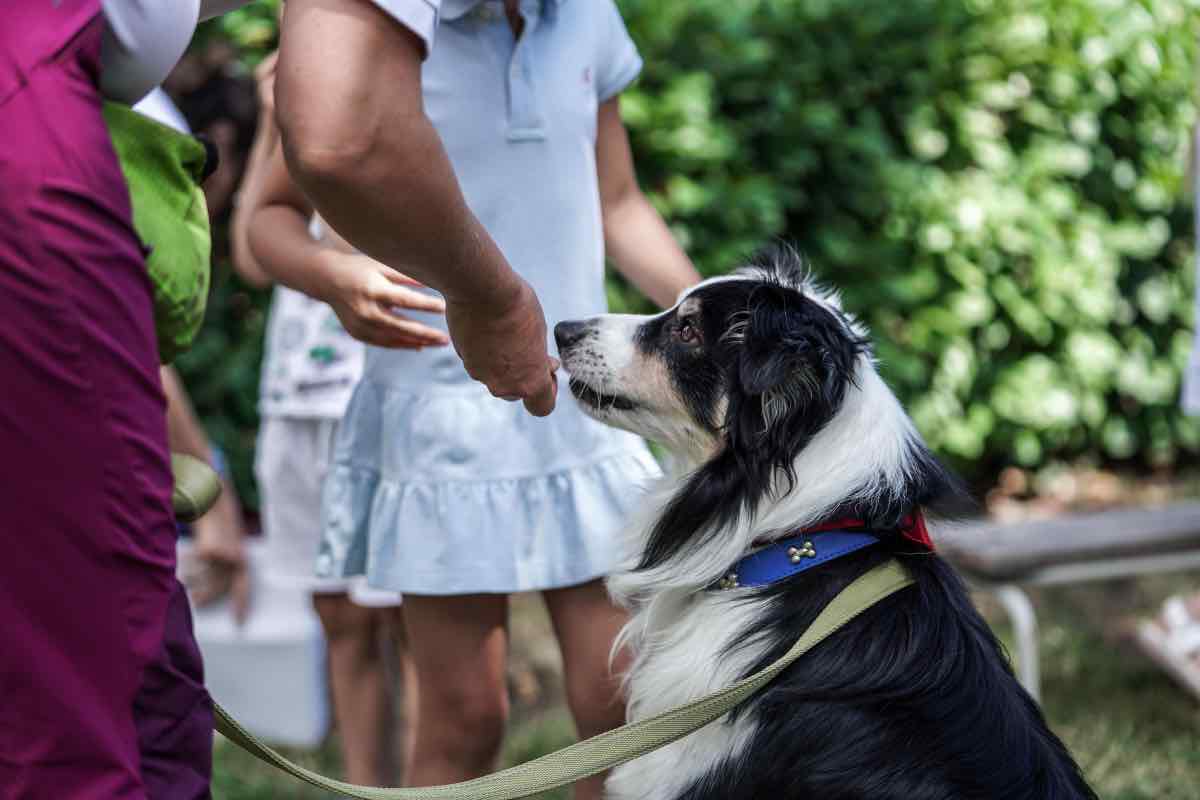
(454, 492)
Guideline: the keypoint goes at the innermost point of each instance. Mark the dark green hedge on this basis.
(997, 186)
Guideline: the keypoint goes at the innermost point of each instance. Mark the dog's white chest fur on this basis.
(685, 649)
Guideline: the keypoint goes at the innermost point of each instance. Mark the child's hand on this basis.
(367, 297)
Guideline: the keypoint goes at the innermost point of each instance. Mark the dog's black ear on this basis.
(795, 360)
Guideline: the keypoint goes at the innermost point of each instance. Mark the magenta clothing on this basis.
(101, 691)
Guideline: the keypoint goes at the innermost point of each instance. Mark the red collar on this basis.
(911, 527)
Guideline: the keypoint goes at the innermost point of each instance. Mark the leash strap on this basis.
(593, 756)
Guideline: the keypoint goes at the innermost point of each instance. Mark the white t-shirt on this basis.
(310, 364)
(145, 40)
(159, 107)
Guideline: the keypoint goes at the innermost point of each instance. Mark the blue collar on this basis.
(792, 556)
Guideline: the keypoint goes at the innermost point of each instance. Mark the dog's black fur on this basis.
(912, 700)
(784, 342)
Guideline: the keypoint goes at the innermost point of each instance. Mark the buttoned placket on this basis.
(525, 121)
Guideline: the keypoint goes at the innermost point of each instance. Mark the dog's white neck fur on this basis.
(688, 642)
(865, 448)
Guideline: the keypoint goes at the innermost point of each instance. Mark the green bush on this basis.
(221, 373)
(997, 186)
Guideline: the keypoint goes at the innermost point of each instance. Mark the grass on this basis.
(238, 776)
(1135, 733)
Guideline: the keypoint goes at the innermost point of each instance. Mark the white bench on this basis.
(1002, 558)
(269, 672)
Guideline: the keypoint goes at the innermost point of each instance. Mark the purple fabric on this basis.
(101, 690)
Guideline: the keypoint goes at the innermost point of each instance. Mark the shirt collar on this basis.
(456, 9)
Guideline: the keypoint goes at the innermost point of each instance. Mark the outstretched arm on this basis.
(635, 236)
(365, 294)
(220, 535)
(249, 194)
(358, 142)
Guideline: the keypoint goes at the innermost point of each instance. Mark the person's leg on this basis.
(358, 676)
(459, 648)
(586, 623)
(402, 670)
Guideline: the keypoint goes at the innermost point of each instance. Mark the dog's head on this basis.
(767, 390)
(756, 363)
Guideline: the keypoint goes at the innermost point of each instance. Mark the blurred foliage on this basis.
(221, 373)
(252, 31)
(997, 186)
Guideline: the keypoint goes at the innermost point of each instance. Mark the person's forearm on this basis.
(248, 202)
(184, 432)
(644, 251)
(281, 244)
(401, 205)
(358, 142)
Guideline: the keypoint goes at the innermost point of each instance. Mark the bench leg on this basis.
(1020, 610)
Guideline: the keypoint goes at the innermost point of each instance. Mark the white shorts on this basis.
(290, 465)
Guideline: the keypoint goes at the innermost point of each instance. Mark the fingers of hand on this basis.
(208, 581)
(385, 336)
(391, 294)
(539, 391)
(401, 279)
(399, 325)
(239, 596)
(370, 322)
(542, 403)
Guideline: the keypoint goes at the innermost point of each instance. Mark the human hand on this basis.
(219, 566)
(366, 297)
(505, 348)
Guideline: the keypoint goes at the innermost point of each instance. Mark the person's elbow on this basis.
(245, 265)
(252, 259)
(325, 153)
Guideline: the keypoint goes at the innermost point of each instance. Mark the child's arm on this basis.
(249, 195)
(635, 236)
(364, 293)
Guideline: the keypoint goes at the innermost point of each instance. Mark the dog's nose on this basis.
(568, 333)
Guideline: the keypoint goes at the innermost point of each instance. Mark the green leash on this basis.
(600, 753)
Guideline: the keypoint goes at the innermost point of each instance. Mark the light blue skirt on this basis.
(442, 489)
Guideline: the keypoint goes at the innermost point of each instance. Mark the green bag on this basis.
(164, 169)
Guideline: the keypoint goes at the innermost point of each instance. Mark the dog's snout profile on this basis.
(569, 332)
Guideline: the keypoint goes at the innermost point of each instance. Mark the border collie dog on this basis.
(766, 393)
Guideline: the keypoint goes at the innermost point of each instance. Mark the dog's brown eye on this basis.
(687, 332)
